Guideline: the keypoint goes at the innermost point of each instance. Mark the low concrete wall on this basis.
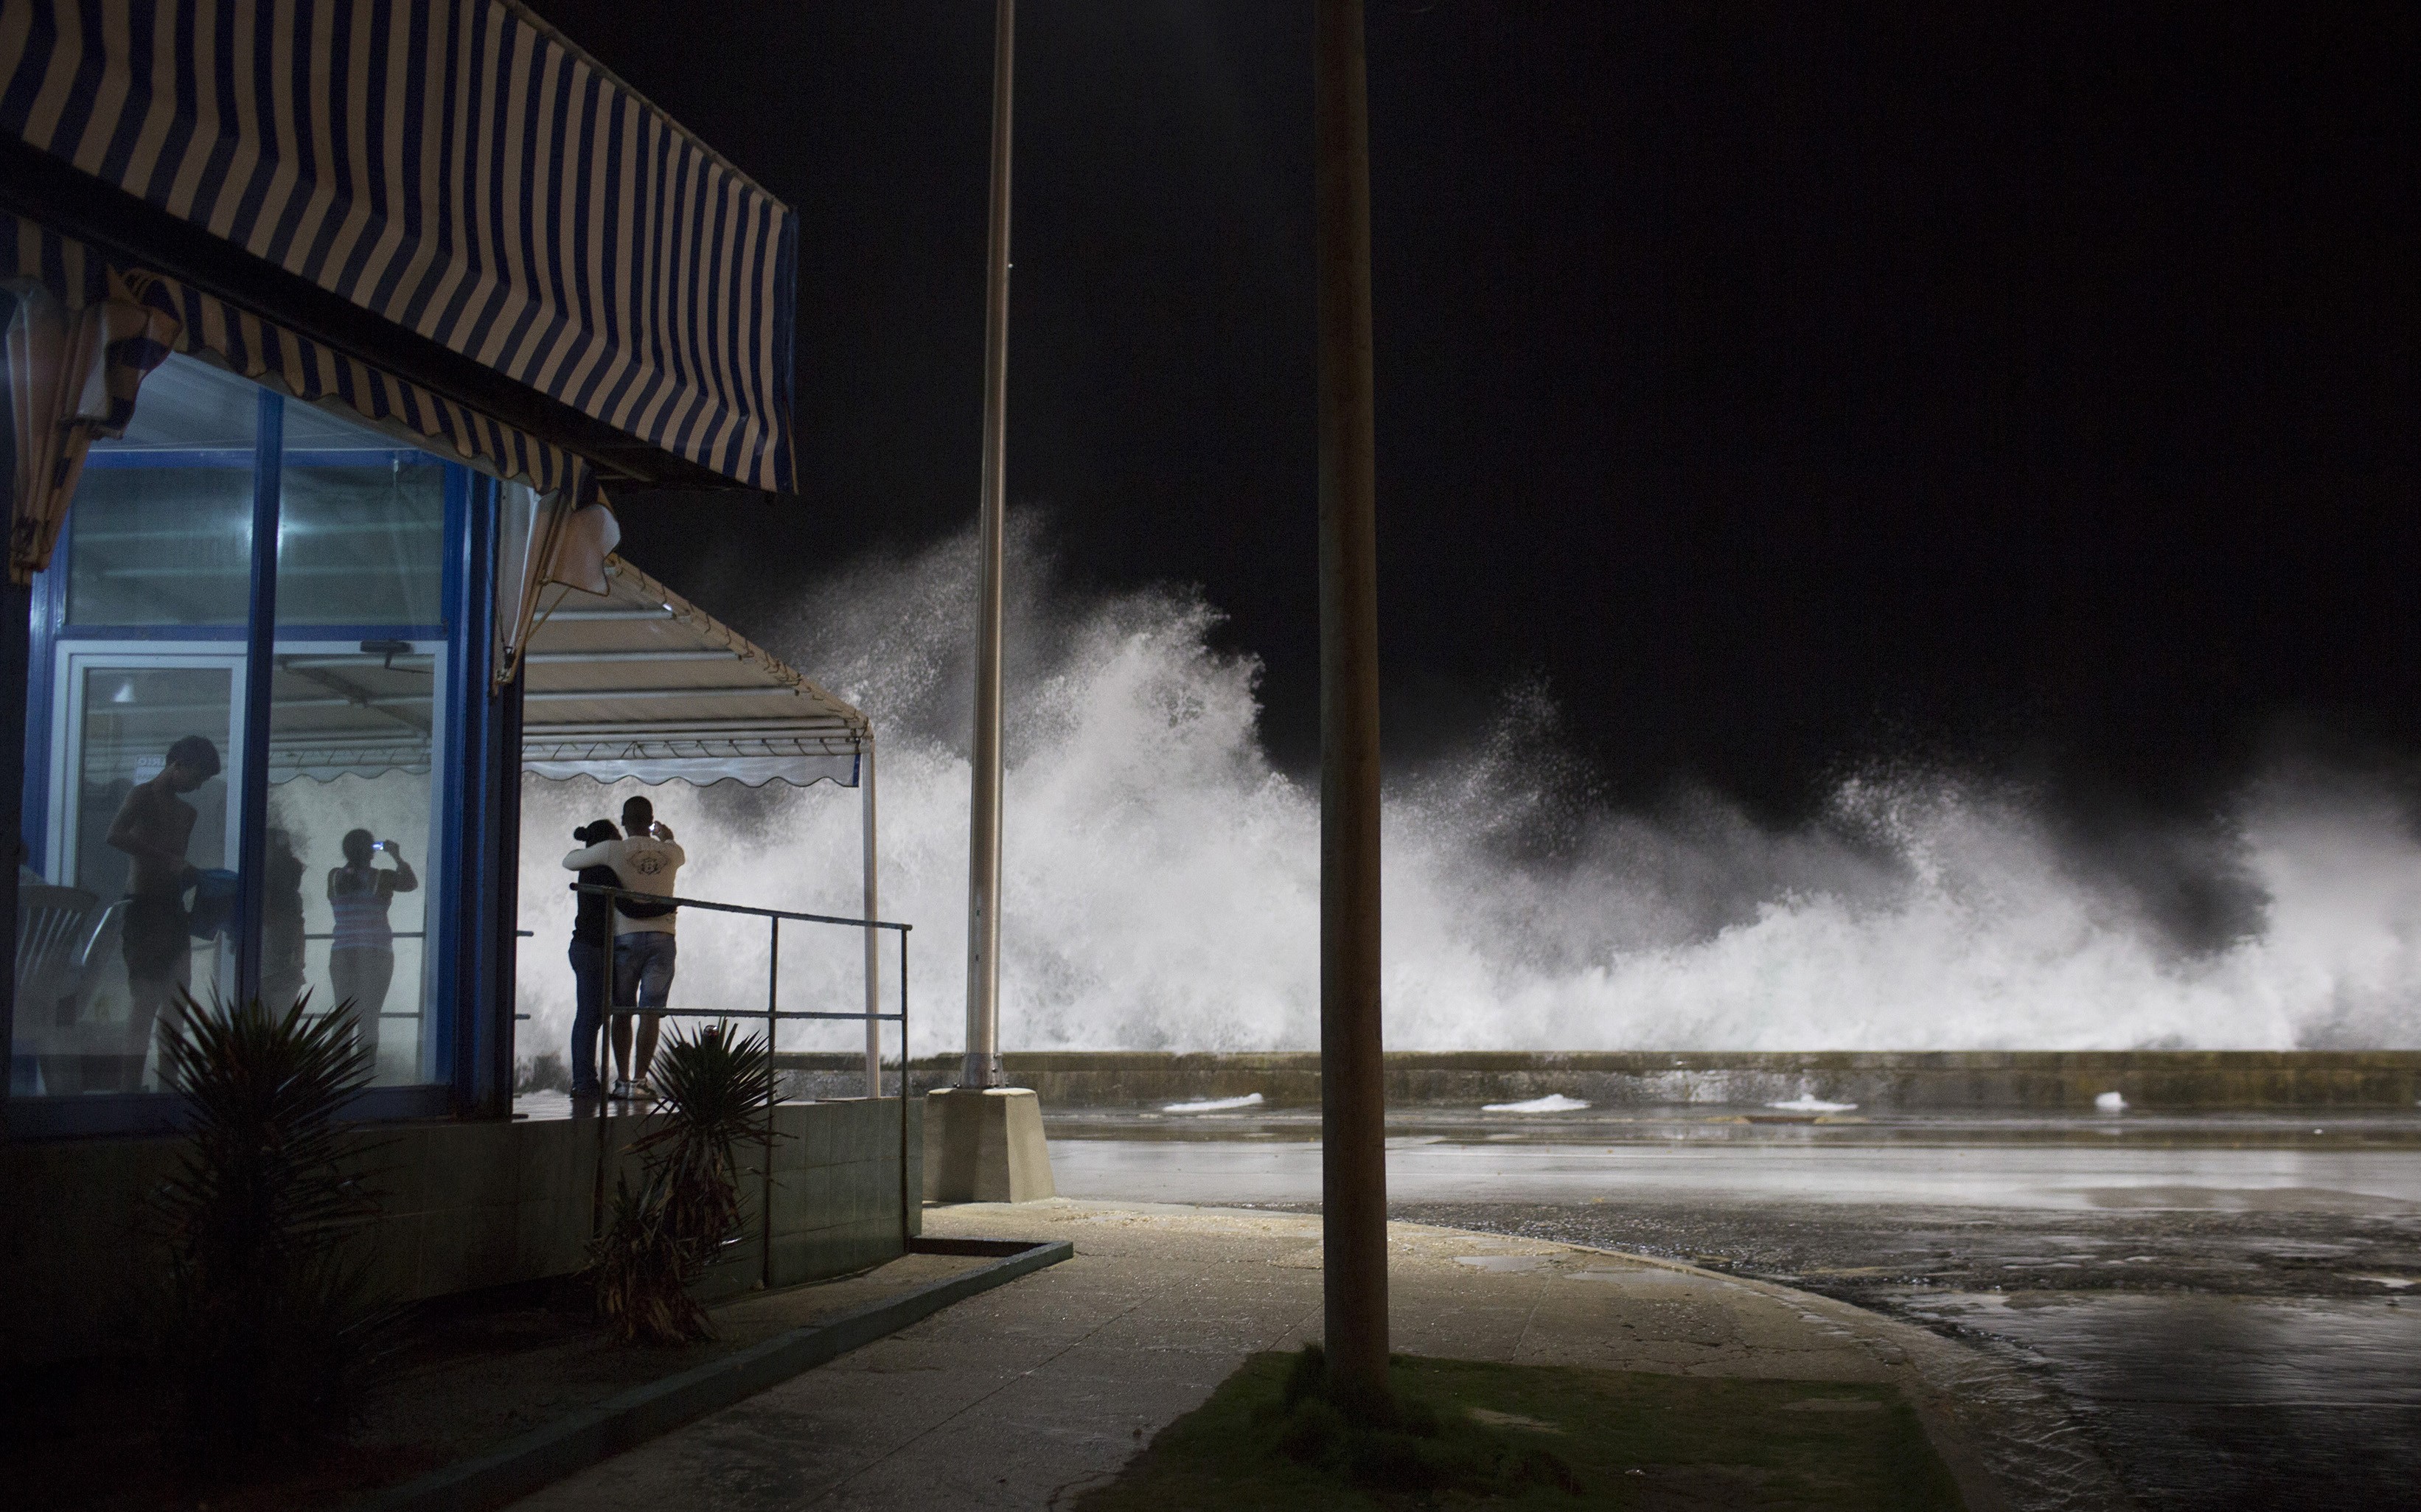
(464, 1205)
(837, 1190)
(1949, 1081)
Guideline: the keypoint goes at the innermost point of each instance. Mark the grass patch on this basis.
(1464, 1432)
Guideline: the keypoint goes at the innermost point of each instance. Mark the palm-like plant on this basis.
(715, 1089)
(267, 1327)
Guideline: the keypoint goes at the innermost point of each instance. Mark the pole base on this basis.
(984, 1144)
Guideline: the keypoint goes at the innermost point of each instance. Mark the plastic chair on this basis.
(54, 927)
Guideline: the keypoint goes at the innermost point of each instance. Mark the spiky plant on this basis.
(714, 1089)
(269, 1329)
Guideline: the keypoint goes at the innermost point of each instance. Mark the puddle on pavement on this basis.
(2213, 1403)
(1503, 1264)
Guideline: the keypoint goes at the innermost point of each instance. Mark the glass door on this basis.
(142, 845)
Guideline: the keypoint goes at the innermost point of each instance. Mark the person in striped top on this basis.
(361, 957)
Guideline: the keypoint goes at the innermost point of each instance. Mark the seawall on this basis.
(1915, 1082)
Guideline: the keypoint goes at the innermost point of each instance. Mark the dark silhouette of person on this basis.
(153, 827)
(592, 960)
(281, 924)
(361, 958)
(645, 860)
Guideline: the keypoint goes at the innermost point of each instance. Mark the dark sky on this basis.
(1789, 387)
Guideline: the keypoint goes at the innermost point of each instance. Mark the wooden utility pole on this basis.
(1353, 1163)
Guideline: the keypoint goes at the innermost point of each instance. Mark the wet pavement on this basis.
(2229, 1307)
(1025, 1395)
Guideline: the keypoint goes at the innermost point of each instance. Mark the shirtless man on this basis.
(153, 827)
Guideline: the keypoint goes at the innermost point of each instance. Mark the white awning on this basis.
(642, 683)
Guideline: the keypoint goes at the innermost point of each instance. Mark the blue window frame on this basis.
(318, 605)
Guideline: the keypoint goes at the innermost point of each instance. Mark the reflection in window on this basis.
(351, 746)
(134, 844)
(160, 545)
(131, 894)
(161, 530)
(361, 532)
(139, 914)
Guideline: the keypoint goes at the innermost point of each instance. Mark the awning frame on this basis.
(802, 735)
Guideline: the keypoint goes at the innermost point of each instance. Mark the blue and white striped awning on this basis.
(255, 349)
(457, 168)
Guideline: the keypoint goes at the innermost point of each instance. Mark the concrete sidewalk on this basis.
(1023, 1396)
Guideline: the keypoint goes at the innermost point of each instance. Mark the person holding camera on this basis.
(361, 955)
(645, 859)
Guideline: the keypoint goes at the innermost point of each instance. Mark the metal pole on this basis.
(248, 769)
(16, 648)
(1353, 1169)
(873, 946)
(906, 1196)
(982, 1068)
(773, 1093)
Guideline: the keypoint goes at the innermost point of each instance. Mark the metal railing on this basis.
(773, 1014)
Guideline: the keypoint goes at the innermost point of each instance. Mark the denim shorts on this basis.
(643, 970)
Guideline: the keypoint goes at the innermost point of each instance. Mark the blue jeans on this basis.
(588, 988)
(643, 970)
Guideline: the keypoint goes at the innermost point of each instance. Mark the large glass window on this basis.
(134, 910)
(163, 518)
(135, 715)
(352, 867)
(129, 894)
(361, 526)
(355, 725)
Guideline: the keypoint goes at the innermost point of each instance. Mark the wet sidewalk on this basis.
(1023, 1396)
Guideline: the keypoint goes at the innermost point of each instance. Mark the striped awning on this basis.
(459, 169)
(248, 345)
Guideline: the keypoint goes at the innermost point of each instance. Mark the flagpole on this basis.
(982, 1066)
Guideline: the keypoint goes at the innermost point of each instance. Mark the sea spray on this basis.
(1163, 877)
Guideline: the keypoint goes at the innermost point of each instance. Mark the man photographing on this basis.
(643, 860)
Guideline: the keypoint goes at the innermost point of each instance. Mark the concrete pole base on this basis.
(984, 1144)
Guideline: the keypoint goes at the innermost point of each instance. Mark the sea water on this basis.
(1162, 874)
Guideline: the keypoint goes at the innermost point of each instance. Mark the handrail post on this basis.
(873, 952)
(904, 1197)
(773, 1080)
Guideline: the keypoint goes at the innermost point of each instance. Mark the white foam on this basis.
(2111, 1103)
(1812, 1105)
(1162, 877)
(1552, 1102)
(1250, 1099)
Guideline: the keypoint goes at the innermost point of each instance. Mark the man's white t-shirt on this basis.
(645, 865)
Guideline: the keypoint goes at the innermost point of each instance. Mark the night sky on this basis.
(2009, 388)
